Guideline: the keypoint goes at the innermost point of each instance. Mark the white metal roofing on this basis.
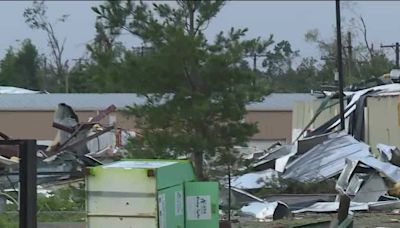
(78, 101)
(98, 101)
(15, 90)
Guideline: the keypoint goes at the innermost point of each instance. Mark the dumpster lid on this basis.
(139, 164)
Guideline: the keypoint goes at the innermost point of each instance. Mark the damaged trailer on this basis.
(372, 116)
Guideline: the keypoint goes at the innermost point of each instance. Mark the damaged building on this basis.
(363, 159)
(378, 119)
(35, 111)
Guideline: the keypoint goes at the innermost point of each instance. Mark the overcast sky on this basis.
(287, 20)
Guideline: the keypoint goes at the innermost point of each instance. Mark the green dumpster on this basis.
(149, 193)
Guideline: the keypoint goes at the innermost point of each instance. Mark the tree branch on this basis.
(364, 30)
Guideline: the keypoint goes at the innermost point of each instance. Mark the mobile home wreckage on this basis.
(364, 159)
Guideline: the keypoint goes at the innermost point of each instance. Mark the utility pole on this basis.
(350, 54)
(340, 63)
(344, 200)
(255, 56)
(397, 50)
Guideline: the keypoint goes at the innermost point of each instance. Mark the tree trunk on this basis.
(198, 166)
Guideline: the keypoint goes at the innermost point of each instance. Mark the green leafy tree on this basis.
(196, 90)
(279, 61)
(21, 68)
(302, 79)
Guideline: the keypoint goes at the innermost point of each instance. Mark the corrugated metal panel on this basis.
(326, 159)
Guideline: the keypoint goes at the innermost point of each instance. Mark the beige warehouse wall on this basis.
(38, 124)
(275, 125)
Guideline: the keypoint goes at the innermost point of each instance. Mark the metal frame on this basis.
(27, 179)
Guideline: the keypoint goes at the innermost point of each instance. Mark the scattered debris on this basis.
(76, 146)
(371, 181)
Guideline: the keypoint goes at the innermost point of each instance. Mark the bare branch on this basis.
(364, 30)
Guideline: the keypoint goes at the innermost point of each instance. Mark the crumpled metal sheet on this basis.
(389, 154)
(371, 190)
(343, 185)
(268, 160)
(360, 179)
(326, 159)
(392, 172)
(266, 210)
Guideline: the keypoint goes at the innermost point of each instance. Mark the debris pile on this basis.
(77, 145)
(371, 181)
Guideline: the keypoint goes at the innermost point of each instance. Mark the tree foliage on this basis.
(21, 68)
(196, 89)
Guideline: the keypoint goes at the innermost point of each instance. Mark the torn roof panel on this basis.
(326, 159)
(254, 180)
(16, 90)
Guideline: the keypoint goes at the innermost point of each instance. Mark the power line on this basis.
(397, 50)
